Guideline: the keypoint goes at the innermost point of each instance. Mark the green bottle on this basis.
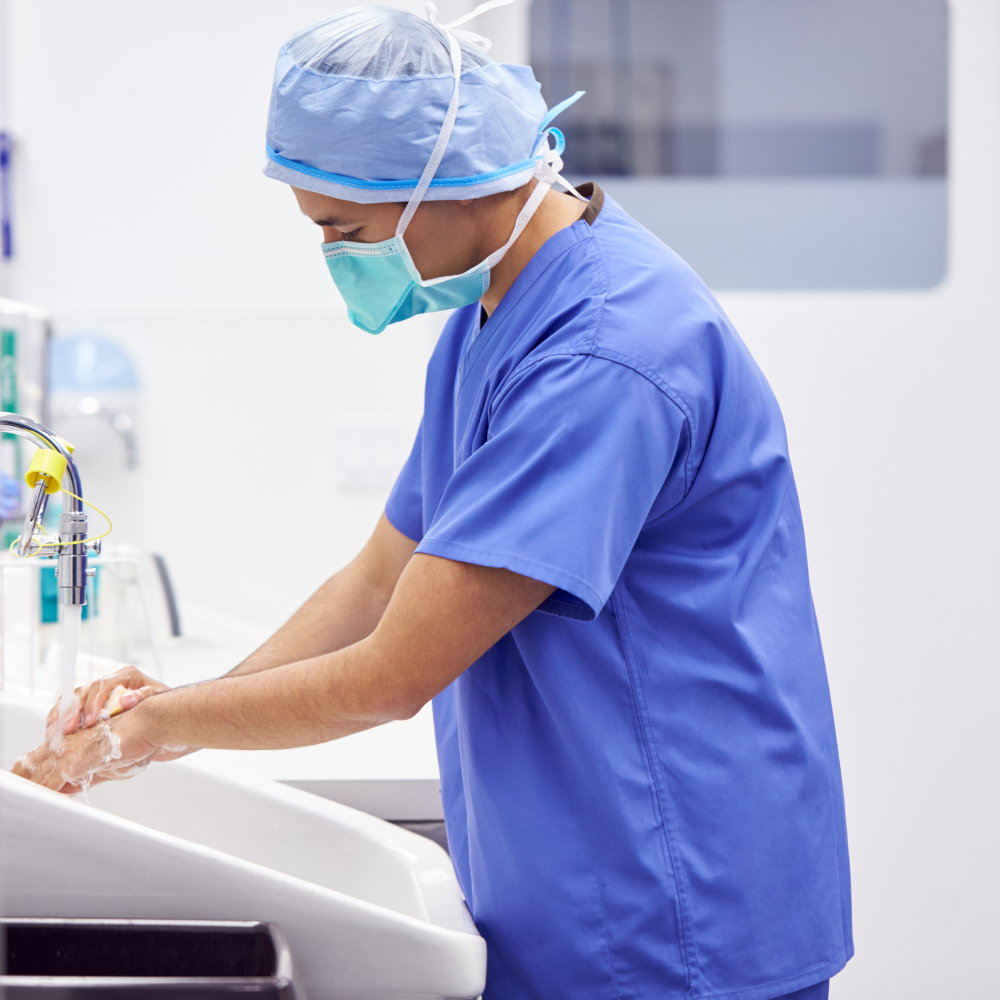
(10, 460)
(8, 373)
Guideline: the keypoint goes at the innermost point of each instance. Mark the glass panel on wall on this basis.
(785, 144)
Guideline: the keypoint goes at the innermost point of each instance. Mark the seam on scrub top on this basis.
(520, 295)
(496, 553)
(770, 541)
(609, 354)
(607, 937)
(669, 391)
(594, 252)
(472, 353)
(523, 369)
(834, 964)
(689, 947)
(844, 916)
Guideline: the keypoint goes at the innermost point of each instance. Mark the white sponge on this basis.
(113, 706)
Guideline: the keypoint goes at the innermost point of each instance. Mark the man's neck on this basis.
(557, 211)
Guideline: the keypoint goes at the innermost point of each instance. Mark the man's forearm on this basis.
(443, 617)
(296, 704)
(343, 610)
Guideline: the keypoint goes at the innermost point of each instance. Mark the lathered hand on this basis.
(108, 751)
(90, 701)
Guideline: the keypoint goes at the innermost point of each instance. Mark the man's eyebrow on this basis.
(334, 222)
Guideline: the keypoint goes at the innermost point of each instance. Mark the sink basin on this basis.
(369, 910)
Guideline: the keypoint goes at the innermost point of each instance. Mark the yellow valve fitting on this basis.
(49, 466)
(69, 447)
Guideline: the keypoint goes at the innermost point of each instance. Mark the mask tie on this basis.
(549, 164)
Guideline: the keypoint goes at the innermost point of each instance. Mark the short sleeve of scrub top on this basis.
(404, 508)
(580, 452)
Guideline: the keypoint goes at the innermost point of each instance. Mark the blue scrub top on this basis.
(640, 780)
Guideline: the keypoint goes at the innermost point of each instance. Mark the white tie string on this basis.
(437, 154)
(548, 169)
(548, 162)
(470, 36)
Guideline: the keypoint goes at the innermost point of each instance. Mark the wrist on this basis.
(148, 722)
(128, 738)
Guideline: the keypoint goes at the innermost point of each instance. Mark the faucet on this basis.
(52, 461)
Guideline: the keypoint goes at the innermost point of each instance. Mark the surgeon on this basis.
(593, 561)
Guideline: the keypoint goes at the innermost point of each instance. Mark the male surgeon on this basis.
(593, 561)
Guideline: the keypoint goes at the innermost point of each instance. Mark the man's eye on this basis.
(353, 235)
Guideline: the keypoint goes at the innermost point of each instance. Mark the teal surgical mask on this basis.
(381, 285)
(379, 281)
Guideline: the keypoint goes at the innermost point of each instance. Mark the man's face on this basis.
(443, 237)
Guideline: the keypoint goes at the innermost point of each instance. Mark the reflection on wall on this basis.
(831, 91)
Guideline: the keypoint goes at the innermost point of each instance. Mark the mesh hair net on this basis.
(359, 99)
(377, 43)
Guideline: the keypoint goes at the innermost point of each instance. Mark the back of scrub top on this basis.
(640, 780)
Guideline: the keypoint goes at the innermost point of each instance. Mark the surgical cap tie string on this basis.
(470, 36)
(437, 154)
(444, 136)
(548, 161)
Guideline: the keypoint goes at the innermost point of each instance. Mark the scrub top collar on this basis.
(549, 250)
(595, 202)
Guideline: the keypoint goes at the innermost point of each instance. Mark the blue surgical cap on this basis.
(359, 100)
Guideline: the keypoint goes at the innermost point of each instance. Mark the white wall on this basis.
(143, 213)
(892, 407)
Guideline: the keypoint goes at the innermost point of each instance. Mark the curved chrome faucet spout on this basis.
(14, 423)
(71, 570)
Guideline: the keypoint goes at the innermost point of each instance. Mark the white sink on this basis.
(369, 910)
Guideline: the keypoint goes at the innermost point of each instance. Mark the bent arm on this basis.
(442, 616)
(343, 610)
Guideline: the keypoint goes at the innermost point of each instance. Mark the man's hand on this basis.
(89, 702)
(108, 751)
